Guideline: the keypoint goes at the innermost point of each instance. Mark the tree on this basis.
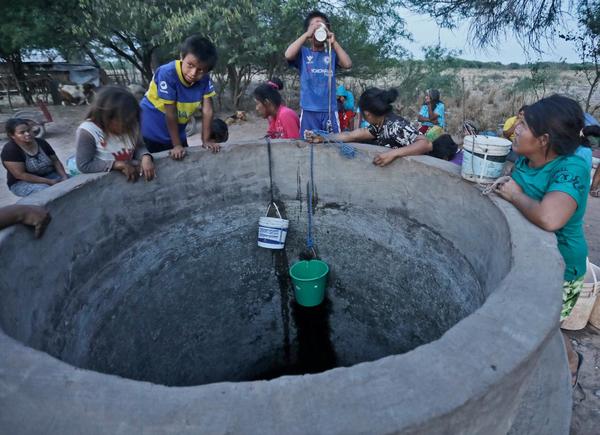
(251, 36)
(129, 29)
(529, 20)
(587, 43)
(26, 26)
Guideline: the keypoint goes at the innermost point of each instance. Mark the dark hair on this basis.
(522, 109)
(219, 132)
(434, 97)
(314, 14)
(444, 147)
(269, 91)
(11, 125)
(116, 103)
(591, 130)
(561, 118)
(377, 101)
(201, 48)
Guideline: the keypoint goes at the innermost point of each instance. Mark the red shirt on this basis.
(285, 125)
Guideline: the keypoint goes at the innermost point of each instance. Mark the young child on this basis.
(175, 92)
(31, 164)
(550, 184)
(283, 121)
(317, 66)
(109, 139)
(219, 131)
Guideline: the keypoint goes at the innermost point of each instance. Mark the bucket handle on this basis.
(276, 209)
(592, 267)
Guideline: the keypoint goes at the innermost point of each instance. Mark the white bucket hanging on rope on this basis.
(484, 158)
(271, 230)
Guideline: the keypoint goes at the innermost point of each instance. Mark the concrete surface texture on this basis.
(436, 318)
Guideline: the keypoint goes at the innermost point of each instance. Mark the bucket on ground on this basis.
(272, 230)
(310, 279)
(585, 307)
(484, 158)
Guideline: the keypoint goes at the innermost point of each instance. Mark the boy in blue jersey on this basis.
(317, 88)
(175, 92)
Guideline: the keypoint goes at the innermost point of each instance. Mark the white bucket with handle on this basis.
(272, 231)
(484, 158)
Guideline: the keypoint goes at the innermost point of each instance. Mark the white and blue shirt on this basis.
(314, 67)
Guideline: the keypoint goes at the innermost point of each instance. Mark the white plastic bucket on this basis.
(272, 231)
(484, 158)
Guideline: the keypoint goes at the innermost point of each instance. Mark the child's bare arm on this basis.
(178, 152)
(292, 51)
(343, 59)
(207, 117)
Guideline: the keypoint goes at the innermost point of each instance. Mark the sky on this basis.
(425, 32)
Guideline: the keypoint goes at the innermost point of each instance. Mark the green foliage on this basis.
(537, 83)
(587, 44)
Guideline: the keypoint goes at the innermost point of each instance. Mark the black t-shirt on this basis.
(395, 132)
(11, 152)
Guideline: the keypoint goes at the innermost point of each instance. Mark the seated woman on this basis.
(110, 140)
(283, 121)
(549, 185)
(432, 111)
(386, 129)
(31, 164)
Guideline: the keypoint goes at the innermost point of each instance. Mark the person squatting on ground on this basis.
(175, 92)
(31, 164)
(549, 185)
(317, 67)
(29, 215)
(433, 111)
(110, 140)
(389, 130)
(283, 121)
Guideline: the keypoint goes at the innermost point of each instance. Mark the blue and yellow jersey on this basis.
(169, 87)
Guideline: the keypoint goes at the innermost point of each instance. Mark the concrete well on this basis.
(148, 307)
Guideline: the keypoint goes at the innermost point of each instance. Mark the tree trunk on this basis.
(593, 85)
(234, 82)
(16, 65)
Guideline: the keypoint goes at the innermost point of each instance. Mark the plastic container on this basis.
(310, 280)
(321, 33)
(272, 231)
(484, 158)
(586, 308)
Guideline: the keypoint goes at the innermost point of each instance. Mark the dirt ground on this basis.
(586, 407)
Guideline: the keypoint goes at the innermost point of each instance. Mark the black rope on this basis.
(268, 139)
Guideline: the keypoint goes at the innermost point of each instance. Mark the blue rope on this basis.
(309, 238)
(347, 151)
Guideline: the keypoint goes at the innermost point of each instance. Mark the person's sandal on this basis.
(575, 376)
(595, 193)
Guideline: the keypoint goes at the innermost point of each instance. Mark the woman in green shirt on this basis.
(550, 186)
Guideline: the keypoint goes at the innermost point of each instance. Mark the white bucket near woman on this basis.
(272, 230)
(484, 158)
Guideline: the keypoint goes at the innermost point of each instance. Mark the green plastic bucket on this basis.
(309, 278)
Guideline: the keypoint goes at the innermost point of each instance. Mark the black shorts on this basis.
(157, 147)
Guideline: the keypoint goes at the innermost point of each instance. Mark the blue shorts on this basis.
(318, 121)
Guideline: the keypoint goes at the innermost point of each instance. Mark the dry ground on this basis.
(586, 408)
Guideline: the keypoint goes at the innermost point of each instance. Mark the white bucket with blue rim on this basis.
(484, 158)
(272, 230)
